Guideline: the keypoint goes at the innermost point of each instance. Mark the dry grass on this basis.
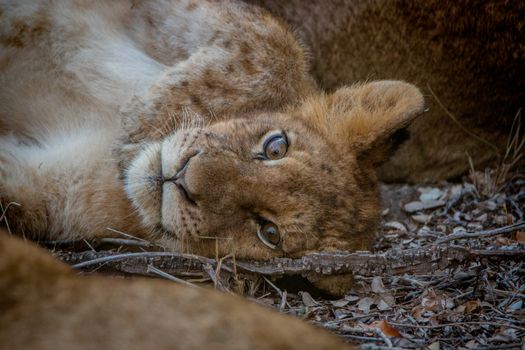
(491, 181)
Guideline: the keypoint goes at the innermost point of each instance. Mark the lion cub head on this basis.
(271, 184)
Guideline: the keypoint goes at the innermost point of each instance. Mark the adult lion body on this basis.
(468, 58)
(179, 120)
(47, 306)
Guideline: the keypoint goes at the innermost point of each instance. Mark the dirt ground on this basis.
(474, 305)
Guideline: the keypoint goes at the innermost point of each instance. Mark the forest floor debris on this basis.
(478, 304)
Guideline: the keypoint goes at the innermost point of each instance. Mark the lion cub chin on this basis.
(46, 306)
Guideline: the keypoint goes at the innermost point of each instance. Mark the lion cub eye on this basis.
(275, 147)
(269, 234)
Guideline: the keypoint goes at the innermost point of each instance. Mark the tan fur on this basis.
(102, 103)
(46, 306)
(470, 54)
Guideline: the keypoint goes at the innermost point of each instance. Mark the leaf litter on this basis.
(474, 305)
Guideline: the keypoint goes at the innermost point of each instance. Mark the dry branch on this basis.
(483, 234)
(393, 262)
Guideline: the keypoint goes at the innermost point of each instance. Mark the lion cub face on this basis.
(274, 183)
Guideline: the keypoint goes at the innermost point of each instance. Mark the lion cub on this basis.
(46, 306)
(187, 123)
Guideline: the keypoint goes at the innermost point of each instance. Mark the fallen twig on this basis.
(161, 273)
(393, 262)
(458, 324)
(125, 242)
(483, 234)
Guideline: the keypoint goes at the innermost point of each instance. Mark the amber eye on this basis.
(275, 147)
(269, 234)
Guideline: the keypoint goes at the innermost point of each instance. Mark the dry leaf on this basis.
(505, 335)
(386, 328)
(515, 306)
(482, 218)
(458, 230)
(429, 303)
(520, 236)
(472, 226)
(352, 298)
(365, 304)
(308, 300)
(413, 207)
(471, 344)
(471, 305)
(340, 314)
(421, 218)
(489, 205)
(395, 225)
(429, 194)
(447, 303)
(455, 190)
(460, 308)
(389, 299)
(417, 312)
(340, 303)
(377, 285)
(382, 305)
(504, 241)
(434, 346)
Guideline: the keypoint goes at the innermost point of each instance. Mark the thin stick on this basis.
(274, 286)
(486, 233)
(216, 280)
(378, 332)
(126, 234)
(507, 293)
(125, 242)
(219, 266)
(118, 257)
(282, 304)
(161, 273)
(89, 245)
(458, 324)
(467, 131)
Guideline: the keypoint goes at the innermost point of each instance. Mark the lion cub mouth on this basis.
(179, 179)
(156, 184)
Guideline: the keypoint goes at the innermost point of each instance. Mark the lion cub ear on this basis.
(369, 119)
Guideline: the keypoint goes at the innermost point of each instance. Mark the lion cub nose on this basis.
(180, 178)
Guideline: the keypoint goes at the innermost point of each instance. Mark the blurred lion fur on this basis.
(45, 305)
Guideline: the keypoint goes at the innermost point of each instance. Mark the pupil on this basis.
(271, 231)
(277, 147)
